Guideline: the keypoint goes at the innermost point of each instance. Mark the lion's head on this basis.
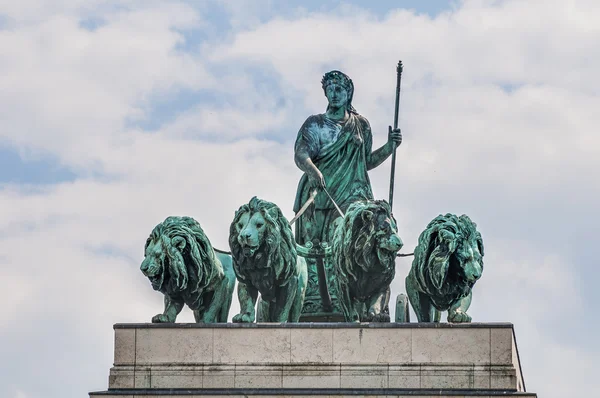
(179, 256)
(260, 237)
(367, 237)
(448, 258)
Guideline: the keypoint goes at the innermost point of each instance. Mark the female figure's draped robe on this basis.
(341, 151)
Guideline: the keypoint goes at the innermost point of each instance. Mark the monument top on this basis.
(321, 359)
(318, 325)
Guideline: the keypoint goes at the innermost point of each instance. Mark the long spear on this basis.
(399, 77)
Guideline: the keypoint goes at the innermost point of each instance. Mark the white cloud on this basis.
(69, 91)
(498, 112)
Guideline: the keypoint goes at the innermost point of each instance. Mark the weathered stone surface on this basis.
(501, 378)
(125, 346)
(176, 377)
(312, 357)
(446, 377)
(481, 376)
(252, 346)
(517, 365)
(259, 376)
(404, 376)
(122, 377)
(173, 346)
(501, 346)
(312, 376)
(218, 376)
(283, 394)
(364, 377)
(357, 346)
(454, 345)
(312, 345)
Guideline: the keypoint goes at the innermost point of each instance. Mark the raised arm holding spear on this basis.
(397, 110)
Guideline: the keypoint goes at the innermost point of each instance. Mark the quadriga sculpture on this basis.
(265, 261)
(182, 264)
(448, 261)
(365, 245)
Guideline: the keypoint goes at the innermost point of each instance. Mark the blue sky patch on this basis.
(46, 170)
(92, 23)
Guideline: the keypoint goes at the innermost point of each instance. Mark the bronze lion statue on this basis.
(265, 261)
(448, 261)
(365, 244)
(182, 264)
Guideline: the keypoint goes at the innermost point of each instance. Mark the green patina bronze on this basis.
(339, 267)
(334, 150)
(448, 261)
(182, 264)
(365, 245)
(265, 261)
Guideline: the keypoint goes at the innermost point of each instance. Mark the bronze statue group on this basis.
(340, 262)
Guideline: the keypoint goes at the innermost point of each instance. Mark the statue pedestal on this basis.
(326, 359)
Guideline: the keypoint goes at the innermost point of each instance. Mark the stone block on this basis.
(364, 376)
(124, 347)
(481, 377)
(467, 346)
(404, 376)
(218, 376)
(364, 345)
(446, 377)
(117, 396)
(141, 379)
(176, 377)
(311, 345)
(314, 376)
(503, 378)
(501, 346)
(259, 376)
(174, 346)
(317, 357)
(260, 345)
(121, 377)
(517, 366)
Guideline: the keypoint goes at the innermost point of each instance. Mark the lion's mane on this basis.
(436, 268)
(277, 252)
(354, 241)
(194, 263)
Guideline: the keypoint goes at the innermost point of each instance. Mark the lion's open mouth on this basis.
(155, 281)
(386, 256)
(249, 250)
(153, 272)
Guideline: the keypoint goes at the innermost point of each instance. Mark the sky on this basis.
(117, 114)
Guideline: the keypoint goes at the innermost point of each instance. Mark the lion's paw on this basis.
(161, 318)
(459, 317)
(243, 318)
(381, 318)
(373, 317)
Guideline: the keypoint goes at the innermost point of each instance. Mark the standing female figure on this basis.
(334, 149)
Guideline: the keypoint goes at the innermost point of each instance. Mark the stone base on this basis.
(309, 393)
(322, 317)
(326, 359)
